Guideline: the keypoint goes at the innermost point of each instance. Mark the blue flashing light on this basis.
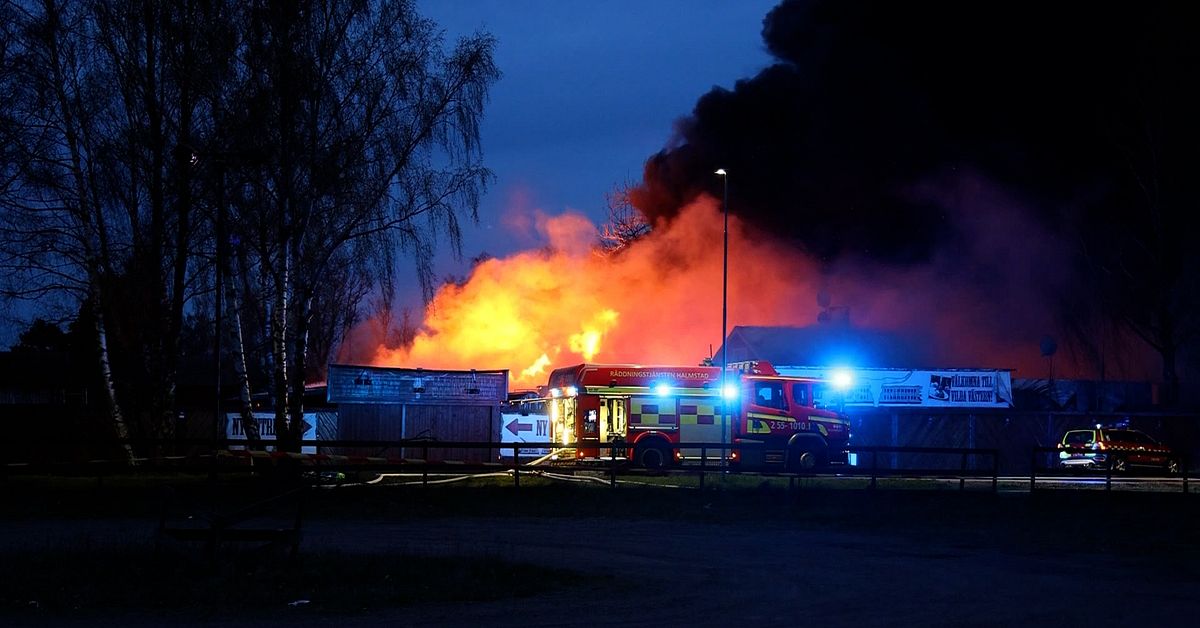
(662, 390)
(729, 391)
(842, 378)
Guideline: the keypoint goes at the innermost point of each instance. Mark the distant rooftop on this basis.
(833, 344)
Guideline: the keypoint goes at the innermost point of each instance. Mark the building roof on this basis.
(829, 345)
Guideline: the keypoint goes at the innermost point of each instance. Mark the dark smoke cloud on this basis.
(871, 99)
(959, 153)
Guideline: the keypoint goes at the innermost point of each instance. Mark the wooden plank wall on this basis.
(442, 423)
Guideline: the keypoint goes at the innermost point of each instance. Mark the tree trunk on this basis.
(89, 216)
(262, 314)
(279, 340)
(149, 248)
(238, 351)
(183, 191)
(303, 318)
(120, 429)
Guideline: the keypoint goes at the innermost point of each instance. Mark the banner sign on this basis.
(946, 388)
(524, 428)
(266, 429)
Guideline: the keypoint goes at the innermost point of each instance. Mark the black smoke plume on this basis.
(869, 98)
(1032, 163)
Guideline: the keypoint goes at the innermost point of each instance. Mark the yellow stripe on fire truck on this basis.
(756, 422)
(770, 417)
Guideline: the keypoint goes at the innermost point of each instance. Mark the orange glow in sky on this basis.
(659, 301)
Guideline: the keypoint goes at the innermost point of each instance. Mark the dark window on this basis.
(1079, 438)
(800, 394)
(1129, 436)
(769, 394)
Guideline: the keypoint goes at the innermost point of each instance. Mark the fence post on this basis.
(703, 458)
(1108, 474)
(212, 463)
(962, 478)
(995, 469)
(1033, 469)
(612, 464)
(1187, 461)
(516, 466)
(874, 467)
(425, 465)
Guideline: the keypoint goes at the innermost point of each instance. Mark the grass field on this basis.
(92, 580)
(73, 576)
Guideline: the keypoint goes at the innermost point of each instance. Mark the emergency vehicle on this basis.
(644, 414)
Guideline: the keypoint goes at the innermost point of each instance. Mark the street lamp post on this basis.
(724, 310)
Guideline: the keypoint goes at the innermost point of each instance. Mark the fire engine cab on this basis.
(658, 416)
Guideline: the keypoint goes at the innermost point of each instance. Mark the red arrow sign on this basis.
(515, 426)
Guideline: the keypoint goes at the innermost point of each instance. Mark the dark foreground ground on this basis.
(580, 555)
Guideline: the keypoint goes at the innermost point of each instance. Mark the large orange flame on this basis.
(659, 301)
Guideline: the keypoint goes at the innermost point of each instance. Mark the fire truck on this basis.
(651, 415)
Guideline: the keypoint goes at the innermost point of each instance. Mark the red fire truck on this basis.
(646, 412)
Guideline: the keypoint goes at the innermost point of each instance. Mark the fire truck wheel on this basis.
(805, 455)
(652, 457)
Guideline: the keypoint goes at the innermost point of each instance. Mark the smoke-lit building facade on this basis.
(897, 398)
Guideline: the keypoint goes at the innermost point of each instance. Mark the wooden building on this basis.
(389, 404)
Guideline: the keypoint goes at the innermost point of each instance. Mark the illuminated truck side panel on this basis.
(594, 404)
(700, 421)
(784, 421)
(581, 390)
(653, 413)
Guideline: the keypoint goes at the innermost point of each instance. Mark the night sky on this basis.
(992, 164)
(589, 92)
(839, 107)
(977, 145)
